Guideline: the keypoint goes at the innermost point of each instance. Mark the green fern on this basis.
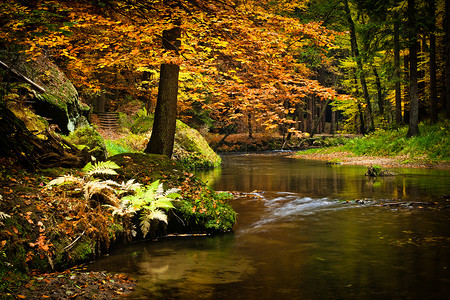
(105, 189)
(102, 167)
(150, 200)
(126, 198)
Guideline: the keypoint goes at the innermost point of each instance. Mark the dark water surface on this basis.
(297, 237)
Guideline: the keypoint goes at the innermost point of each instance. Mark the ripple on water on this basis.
(288, 207)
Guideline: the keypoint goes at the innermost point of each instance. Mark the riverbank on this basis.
(348, 158)
(44, 231)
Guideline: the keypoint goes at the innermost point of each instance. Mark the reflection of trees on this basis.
(316, 179)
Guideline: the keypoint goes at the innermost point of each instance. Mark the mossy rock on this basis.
(192, 150)
(142, 124)
(32, 121)
(59, 103)
(89, 137)
(376, 171)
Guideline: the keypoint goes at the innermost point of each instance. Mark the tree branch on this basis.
(21, 76)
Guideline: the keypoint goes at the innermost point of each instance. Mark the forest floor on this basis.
(347, 158)
(24, 191)
(75, 283)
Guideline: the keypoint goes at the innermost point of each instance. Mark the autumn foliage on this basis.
(239, 60)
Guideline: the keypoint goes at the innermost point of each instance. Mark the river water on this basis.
(305, 230)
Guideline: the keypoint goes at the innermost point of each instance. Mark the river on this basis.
(305, 230)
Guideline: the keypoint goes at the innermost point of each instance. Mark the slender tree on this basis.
(398, 91)
(413, 87)
(356, 55)
(433, 67)
(447, 57)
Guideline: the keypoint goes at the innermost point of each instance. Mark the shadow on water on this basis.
(301, 235)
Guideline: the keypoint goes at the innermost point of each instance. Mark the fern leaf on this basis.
(96, 187)
(145, 224)
(160, 189)
(112, 183)
(130, 185)
(4, 215)
(102, 167)
(164, 203)
(66, 179)
(172, 193)
(158, 214)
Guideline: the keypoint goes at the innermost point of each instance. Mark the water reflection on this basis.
(317, 179)
(298, 238)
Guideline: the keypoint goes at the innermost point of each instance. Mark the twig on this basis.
(406, 203)
(71, 244)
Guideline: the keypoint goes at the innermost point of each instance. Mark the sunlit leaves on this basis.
(246, 55)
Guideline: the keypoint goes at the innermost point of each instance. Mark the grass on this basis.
(432, 144)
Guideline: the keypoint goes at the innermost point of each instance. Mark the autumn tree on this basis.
(163, 133)
(246, 55)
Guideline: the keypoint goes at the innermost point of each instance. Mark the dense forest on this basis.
(163, 75)
(283, 67)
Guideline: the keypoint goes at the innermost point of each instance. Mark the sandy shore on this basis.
(346, 158)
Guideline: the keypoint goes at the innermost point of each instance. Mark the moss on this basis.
(142, 124)
(33, 122)
(88, 136)
(192, 149)
(82, 251)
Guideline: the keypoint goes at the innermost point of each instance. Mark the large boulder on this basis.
(60, 103)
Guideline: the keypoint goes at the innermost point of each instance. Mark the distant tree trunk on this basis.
(413, 88)
(433, 67)
(398, 91)
(250, 128)
(362, 76)
(319, 118)
(310, 110)
(379, 91)
(333, 122)
(163, 132)
(447, 58)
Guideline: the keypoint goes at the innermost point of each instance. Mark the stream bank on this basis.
(45, 230)
(347, 158)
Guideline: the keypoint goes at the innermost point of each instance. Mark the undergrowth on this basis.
(432, 144)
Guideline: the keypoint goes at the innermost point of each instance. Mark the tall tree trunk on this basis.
(447, 58)
(362, 127)
(163, 132)
(433, 67)
(319, 118)
(398, 90)
(413, 87)
(362, 76)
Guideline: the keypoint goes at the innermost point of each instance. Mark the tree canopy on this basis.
(276, 64)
